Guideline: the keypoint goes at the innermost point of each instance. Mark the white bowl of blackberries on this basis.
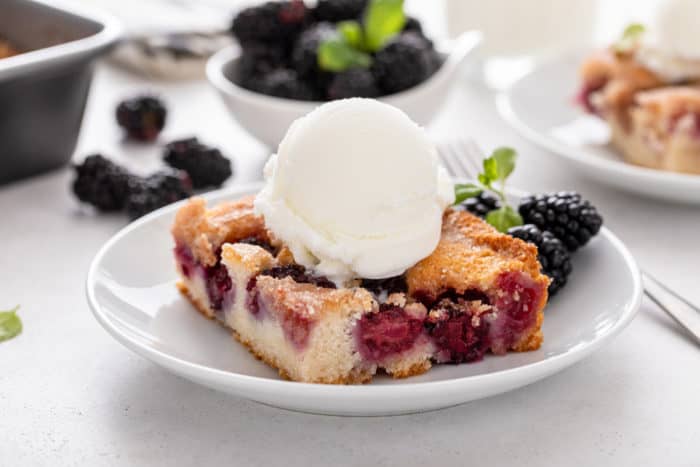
(291, 57)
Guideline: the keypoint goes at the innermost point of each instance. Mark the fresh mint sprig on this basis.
(630, 38)
(10, 324)
(337, 55)
(496, 170)
(355, 42)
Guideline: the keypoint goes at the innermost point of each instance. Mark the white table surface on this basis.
(71, 395)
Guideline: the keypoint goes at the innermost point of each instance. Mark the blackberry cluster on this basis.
(482, 204)
(339, 10)
(155, 191)
(101, 183)
(570, 218)
(299, 274)
(205, 165)
(110, 187)
(280, 42)
(551, 253)
(270, 22)
(143, 118)
(403, 62)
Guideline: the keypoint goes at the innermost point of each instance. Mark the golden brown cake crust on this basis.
(314, 302)
(205, 230)
(469, 256)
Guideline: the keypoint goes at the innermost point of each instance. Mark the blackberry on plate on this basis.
(157, 190)
(355, 82)
(551, 253)
(271, 21)
(101, 183)
(305, 51)
(571, 219)
(339, 10)
(403, 62)
(205, 165)
(482, 204)
(142, 118)
(285, 83)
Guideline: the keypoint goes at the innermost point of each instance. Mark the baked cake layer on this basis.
(480, 291)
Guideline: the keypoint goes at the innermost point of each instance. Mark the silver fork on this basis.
(463, 158)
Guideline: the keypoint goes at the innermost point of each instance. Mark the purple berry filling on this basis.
(387, 332)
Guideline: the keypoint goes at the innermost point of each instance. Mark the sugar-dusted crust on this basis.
(205, 230)
(312, 302)
(470, 255)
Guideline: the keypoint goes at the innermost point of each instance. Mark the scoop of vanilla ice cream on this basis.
(672, 46)
(355, 190)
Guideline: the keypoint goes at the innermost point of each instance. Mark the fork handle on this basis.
(685, 313)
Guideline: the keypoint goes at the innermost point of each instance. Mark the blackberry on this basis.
(275, 21)
(339, 10)
(285, 83)
(258, 59)
(356, 82)
(299, 274)
(482, 204)
(413, 25)
(551, 253)
(570, 218)
(101, 183)
(142, 118)
(389, 285)
(403, 62)
(305, 51)
(155, 191)
(205, 165)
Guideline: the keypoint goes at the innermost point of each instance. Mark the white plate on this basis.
(541, 106)
(130, 288)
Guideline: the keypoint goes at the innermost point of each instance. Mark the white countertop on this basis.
(71, 395)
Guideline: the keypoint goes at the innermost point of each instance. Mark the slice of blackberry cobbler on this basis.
(479, 291)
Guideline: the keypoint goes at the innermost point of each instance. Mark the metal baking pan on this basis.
(43, 90)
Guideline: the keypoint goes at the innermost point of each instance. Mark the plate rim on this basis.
(229, 379)
(580, 156)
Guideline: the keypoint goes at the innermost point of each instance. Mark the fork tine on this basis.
(462, 159)
(445, 154)
(474, 155)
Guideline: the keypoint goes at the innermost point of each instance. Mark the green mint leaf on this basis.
(10, 324)
(337, 55)
(383, 20)
(464, 191)
(490, 173)
(630, 38)
(505, 162)
(351, 32)
(504, 218)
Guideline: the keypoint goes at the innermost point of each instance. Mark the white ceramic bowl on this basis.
(267, 118)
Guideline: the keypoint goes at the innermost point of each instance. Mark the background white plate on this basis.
(130, 288)
(541, 106)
